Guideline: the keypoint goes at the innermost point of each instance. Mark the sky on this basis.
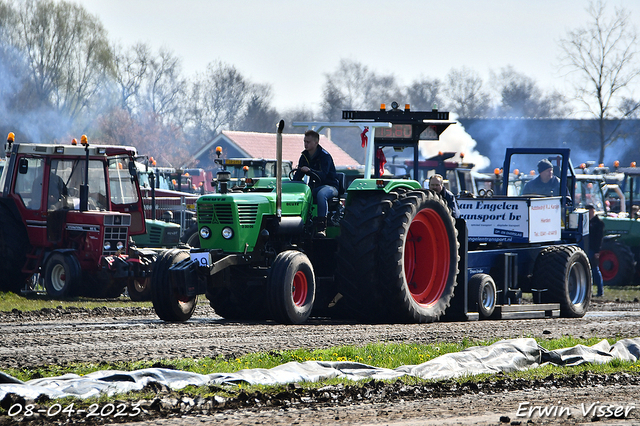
(293, 44)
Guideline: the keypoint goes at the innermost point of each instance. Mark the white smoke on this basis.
(456, 139)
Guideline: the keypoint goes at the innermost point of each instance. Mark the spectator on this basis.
(596, 233)
(436, 184)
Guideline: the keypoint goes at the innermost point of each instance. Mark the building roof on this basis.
(263, 145)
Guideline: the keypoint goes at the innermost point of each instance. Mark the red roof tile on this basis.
(263, 145)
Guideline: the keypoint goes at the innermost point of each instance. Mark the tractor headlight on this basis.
(119, 245)
(227, 233)
(205, 233)
(107, 245)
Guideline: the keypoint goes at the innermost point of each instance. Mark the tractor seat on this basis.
(335, 201)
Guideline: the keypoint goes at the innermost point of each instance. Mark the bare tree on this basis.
(164, 89)
(354, 86)
(602, 56)
(463, 89)
(68, 54)
(520, 96)
(259, 115)
(216, 100)
(131, 67)
(424, 94)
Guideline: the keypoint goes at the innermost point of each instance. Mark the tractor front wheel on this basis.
(139, 289)
(62, 275)
(168, 303)
(291, 288)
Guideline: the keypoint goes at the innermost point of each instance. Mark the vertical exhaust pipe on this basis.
(279, 169)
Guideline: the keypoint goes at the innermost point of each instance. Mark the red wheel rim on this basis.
(300, 289)
(426, 257)
(609, 265)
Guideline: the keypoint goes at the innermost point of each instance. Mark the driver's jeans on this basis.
(322, 195)
(595, 273)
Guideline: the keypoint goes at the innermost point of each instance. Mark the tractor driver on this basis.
(545, 184)
(318, 165)
(57, 192)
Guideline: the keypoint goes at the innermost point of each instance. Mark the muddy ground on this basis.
(61, 336)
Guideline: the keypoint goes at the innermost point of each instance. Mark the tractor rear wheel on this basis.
(14, 245)
(617, 264)
(62, 275)
(168, 303)
(358, 248)
(418, 262)
(291, 288)
(565, 273)
(482, 290)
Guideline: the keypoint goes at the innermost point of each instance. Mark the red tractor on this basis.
(67, 212)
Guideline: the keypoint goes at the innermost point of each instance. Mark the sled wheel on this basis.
(617, 264)
(167, 302)
(14, 245)
(139, 289)
(482, 290)
(565, 273)
(419, 259)
(291, 288)
(62, 275)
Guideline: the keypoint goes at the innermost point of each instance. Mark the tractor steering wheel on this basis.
(312, 175)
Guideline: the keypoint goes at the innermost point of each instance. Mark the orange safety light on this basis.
(616, 164)
(83, 140)
(407, 107)
(186, 175)
(601, 165)
(440, 153)
(532, 172)
(153, 163)
(462, 155)
(200, 184)
(633, 164)
(11, 137)
(583, 166)
(516, 172)
(74, 142)
(383, 107)
(245, 168)
(496, 171)
(219, 149)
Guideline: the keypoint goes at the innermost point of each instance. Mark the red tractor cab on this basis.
(67, 213)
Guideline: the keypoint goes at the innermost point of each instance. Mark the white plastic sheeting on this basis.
(505, 356)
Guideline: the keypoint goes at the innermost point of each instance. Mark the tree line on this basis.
(61, 76)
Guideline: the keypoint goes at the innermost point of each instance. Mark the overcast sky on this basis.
(293, 44)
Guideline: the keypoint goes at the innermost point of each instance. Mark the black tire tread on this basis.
(551, 269)
(397, 302)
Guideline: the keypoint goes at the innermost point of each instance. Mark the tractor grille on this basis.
(205, 213)
(155, 235)
(224, 214)
(113, 235)
(247, 214)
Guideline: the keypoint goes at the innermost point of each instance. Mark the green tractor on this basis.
(621, 246)
(258, 258)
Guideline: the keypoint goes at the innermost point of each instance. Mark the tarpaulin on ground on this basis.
(503, 356)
